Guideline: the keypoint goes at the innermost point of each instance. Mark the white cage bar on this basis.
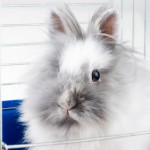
(111, 137)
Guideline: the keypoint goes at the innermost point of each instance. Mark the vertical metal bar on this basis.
(133, 23)
(0, 102)
(0, 119)
(121, 19)
(145, 28)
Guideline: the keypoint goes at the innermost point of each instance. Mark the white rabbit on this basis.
(87, 86)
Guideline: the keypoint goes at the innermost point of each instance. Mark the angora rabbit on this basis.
(87, 86)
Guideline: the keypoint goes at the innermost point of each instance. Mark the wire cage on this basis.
(24, 27)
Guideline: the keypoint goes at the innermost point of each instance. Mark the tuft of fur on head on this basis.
(65, 103)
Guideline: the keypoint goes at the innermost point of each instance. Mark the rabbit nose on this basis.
(67, 101)
(67, 104)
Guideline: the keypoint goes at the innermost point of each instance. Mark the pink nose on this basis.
(66, 100)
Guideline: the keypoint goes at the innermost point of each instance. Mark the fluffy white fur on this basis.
(127, 104)
(81, 53)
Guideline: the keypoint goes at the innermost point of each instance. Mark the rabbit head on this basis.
(74, 81)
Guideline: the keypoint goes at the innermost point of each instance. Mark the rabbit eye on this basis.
(95, 75)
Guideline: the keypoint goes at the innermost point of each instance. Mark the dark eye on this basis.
(95, 75)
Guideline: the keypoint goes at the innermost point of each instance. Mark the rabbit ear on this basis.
(57, 23)
(104, 24)
(63, 22)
